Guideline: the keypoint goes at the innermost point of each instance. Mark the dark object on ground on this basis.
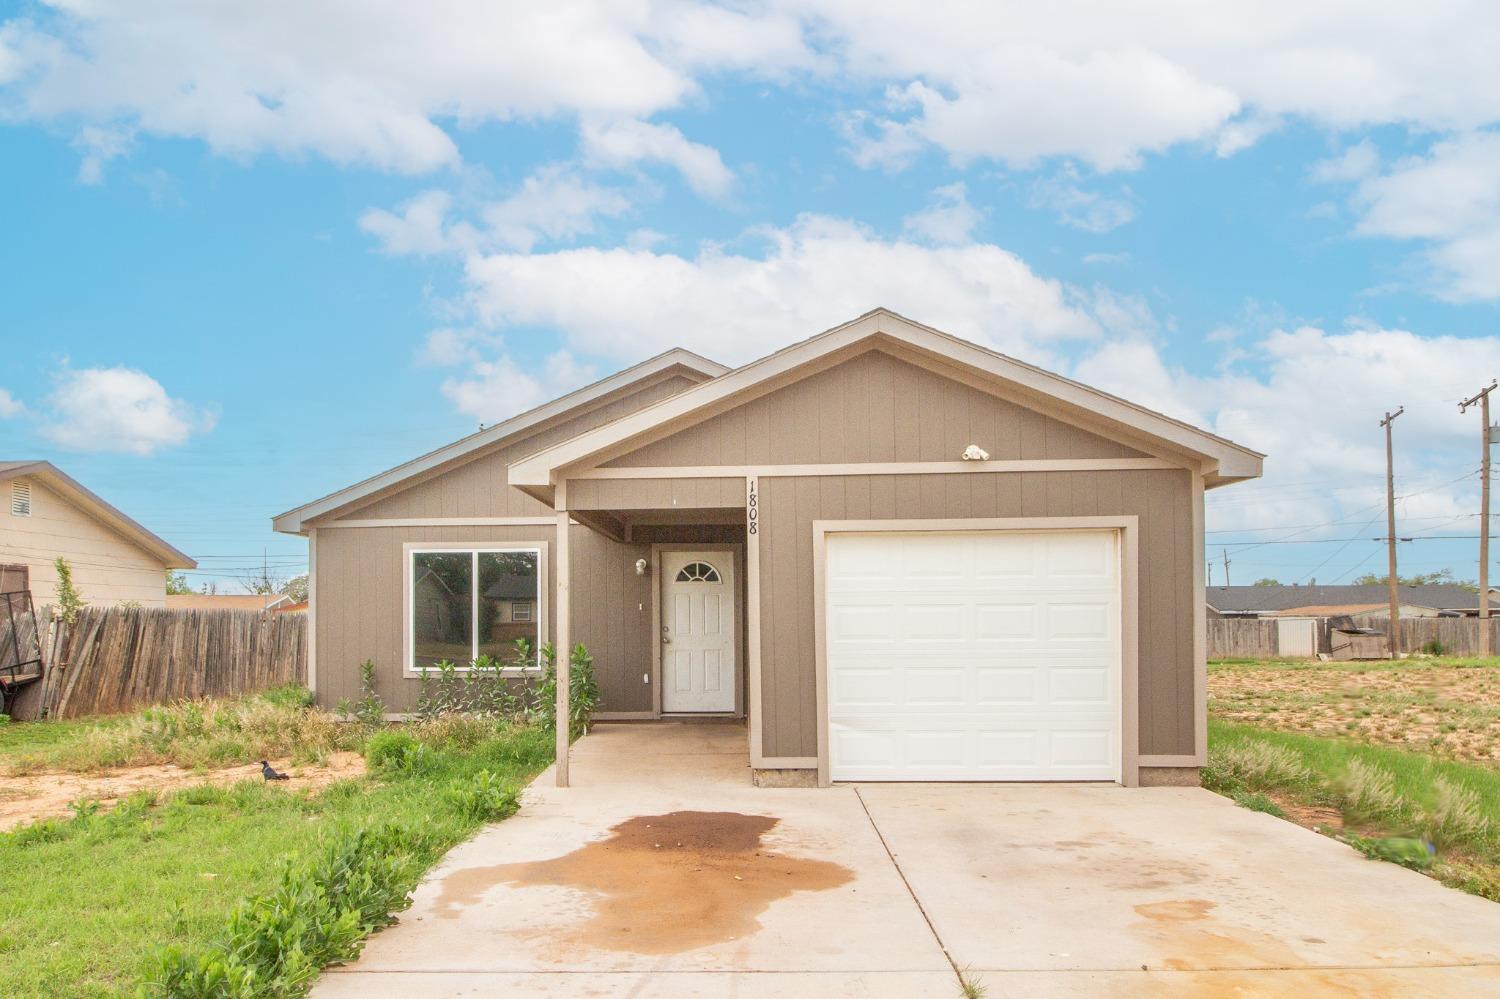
(270, 773)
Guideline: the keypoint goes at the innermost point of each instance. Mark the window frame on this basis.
(474, 549)
(517, 605)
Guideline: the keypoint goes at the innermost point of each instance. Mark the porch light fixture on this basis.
(640, 567)
(976, 453)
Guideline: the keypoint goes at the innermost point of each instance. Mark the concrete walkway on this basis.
(662, 872)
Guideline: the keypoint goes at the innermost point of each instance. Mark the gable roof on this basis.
(294, 521)
(1271, 599)
(1222, 460)
(91, 503)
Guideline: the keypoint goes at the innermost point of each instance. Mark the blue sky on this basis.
(249, 255)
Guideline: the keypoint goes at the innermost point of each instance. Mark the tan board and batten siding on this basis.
(878, 408)
(360, 570)
(873, 407)
(870, 407)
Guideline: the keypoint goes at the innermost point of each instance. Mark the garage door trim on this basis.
(1128, 528)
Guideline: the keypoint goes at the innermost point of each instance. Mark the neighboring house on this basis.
(1442, 600)
(50, 514)
(801, 542)
(229, 601)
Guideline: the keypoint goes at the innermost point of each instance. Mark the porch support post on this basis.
(562, 642)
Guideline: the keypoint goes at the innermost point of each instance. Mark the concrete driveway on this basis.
(663, 873)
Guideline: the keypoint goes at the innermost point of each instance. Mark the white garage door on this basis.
(973, 656)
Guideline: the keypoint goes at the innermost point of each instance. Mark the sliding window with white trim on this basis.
(464, 603)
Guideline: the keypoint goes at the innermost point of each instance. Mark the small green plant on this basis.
(1369, 793)
(321, 911)
(483, 797)
(1456, 818)
(369, 710)
(583, 691)
(1434, 648)
(1257, 802)
(84, 808)
(389, 749)
(1404, 850)
(970, 987)
(69, 602)
(1254, 766)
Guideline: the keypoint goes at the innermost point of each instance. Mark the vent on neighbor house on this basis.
(20, 498)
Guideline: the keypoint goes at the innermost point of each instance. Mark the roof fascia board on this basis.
(698, 403)
(294, 521)
(103, 511)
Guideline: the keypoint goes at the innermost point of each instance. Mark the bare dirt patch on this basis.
(47, 795)
(665, 883)
(1450, 711)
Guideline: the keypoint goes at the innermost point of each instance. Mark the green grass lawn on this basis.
(1380, 755)
(88, 902)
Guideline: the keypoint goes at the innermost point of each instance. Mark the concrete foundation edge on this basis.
(768, 777)
(1170, 777)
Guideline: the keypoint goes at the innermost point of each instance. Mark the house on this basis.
(1441, 600)
(48, 514)
(896, 555)
(262, 602)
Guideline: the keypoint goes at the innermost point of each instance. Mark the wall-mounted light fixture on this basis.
(640, 567)
(976, 453)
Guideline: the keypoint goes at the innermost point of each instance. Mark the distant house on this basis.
(229, 601)
(1335, 601)
(50, 514)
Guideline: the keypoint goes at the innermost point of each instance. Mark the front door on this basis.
(697, 631)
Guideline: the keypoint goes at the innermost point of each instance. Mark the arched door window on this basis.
(698, 572)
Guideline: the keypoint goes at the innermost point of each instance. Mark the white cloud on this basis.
(420, 228)
(812, 275)
(371, 83)
(626, 142)
(1326, 454)
(1355, 163)
(1079, 208)
(498, 387)
(448, 347)
(948, 220)
(385, 83)
(99, 145)
(1450, 199)
(553, 204)
(118, 409)
(1108, 83)
(10, 405)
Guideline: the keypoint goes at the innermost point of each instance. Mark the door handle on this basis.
(666, 635)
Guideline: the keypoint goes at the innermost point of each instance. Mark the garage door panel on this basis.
(989, 656)
(861, 622)
(1079, 555)
(1079, 620)
(867, 686)
(999, 686)
(1082, 685)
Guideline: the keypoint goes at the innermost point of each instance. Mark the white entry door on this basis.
(974, 656)
(697, 631)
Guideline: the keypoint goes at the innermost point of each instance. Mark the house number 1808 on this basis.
(752, 508)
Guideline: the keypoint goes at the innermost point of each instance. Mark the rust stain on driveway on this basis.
(665, 883)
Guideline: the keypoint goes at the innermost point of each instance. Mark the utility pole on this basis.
(1390, 529)
(1226, 566)
(1483, 398)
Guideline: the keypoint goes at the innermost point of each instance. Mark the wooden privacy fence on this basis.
(114, 659)
(1256, 638)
